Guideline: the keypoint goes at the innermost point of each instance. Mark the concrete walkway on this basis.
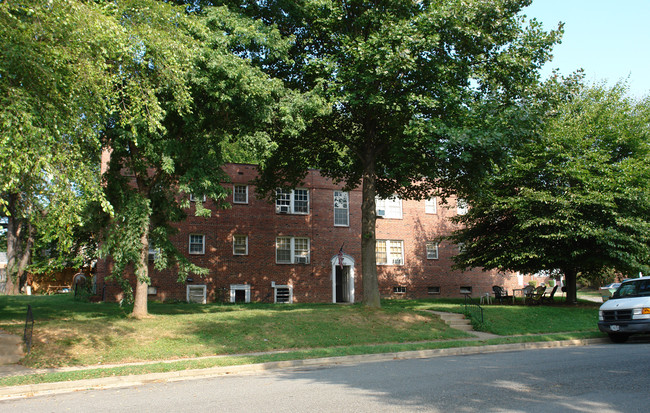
(459, 322)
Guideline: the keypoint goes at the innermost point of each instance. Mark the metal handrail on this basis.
(29, 329)
(469, 306)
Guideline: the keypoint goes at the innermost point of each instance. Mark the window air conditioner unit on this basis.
(284, 209)
(302, 260)
(381, 212)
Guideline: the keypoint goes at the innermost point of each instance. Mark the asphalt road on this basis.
(597, 378)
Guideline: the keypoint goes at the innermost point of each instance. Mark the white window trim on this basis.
(237, 287)
(275, 292)
(435, 249)
(189, 247)
(234, 201)
(201, 288)
(461, 207)
(347, 208)
(291, 208)
(390, 259)
(193, 198)
(153, 253)
(390, 208)
(234, 252)
(294, 258)
(431, 205)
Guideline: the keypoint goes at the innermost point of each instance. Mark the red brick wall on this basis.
(313, 282)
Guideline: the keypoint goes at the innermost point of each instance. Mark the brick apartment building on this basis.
(289, 251)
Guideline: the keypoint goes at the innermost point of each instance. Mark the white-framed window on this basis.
(197, 244)
(432, 251)
(341, 209)
(153, 253)
(400, 289)
(240, 194)
(461, 206)
(282, 293)
(196, 294)
(292, 250)
(431, 206)
(193, 198)
(389, 252)
(389, 208)
(240, 244)
(295, 201)
(240, 293)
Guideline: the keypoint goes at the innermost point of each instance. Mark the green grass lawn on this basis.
(73, 333)
(68, 333)
(519, 319)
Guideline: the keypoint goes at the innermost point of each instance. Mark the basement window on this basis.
(196, 294)
(283, 294)
(399, 290)
(466, 290)
(240, 293)
(433, 290)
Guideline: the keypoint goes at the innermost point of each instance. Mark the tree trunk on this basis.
(140, 309)
(25, 256)
(371, 297)
(570, 277)
(18, 249)
(13, 236)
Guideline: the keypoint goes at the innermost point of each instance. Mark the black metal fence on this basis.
(29, 329)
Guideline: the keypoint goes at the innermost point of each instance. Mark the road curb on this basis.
(30, 390)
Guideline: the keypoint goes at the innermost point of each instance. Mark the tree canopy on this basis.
(187, 88)
(54, 90)
(400, 92)
(576, 198)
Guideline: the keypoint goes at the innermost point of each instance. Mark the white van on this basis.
(628, 311)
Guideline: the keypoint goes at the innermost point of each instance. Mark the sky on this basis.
(609, 39)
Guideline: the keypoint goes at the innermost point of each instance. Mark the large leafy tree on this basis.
(576, 198)
(186, 89)
(54, 90)
(401, 92)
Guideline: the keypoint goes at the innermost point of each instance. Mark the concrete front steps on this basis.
(11, 349)
(457, 321)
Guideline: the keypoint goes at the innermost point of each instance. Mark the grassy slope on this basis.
(76, 333)
(72, 333)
